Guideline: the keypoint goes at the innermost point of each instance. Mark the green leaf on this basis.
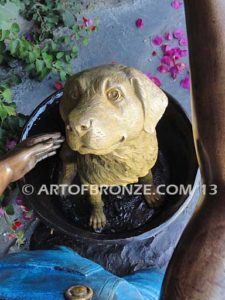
(67, 58)
(75, 49)
(59, 55)
(39, 65)
(29, 67)
(7, 95)
(15, 28)
(62, 75)
(31, 57)
(85, 41)
(1, 58)
(13, 46)
(9, 210)
(44, 72)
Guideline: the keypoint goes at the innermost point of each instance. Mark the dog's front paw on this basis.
(153, 199)
(97, 219)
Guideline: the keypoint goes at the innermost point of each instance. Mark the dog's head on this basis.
(108, 105)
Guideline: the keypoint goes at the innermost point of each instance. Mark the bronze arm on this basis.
(16, 163)
(197, 268)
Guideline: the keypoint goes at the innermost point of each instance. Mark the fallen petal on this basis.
(183, 53)
(176, 4)
(183, 42)
(181, 67)
(163, 69)
(156, 80)
(168, 36)
(166, 48)
(166, 60)
(178, 33)
(157, 40)
(174, 72)
(185, 83)
(139, 23)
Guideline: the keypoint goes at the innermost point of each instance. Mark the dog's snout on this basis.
(82, 127)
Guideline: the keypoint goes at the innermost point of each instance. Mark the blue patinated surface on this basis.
(47, 274)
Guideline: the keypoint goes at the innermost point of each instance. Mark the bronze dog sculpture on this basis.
(110, 114)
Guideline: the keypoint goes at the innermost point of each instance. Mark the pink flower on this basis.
(114, 62)
(183, 42)
(166, 60)
(168, 36)
(139, 23)
(178, 34)
(185, 83)
(163, 69)
(2, 212)
(10, 144)
(87, 22)
(176, 4)
(157, 40)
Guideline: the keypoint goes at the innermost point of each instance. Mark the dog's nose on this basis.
(83, 127)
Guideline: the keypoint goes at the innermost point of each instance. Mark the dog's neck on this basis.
(122, 166)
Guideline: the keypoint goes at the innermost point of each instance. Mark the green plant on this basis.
(53, 40)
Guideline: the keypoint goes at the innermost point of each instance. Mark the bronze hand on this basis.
(15, 164)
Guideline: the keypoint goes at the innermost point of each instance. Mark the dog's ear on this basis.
(153, 99)
(70, 97)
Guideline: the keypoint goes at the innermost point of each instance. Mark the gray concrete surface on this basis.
(119, 40)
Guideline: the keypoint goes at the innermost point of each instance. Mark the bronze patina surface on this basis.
(110, 114)
(197, 268)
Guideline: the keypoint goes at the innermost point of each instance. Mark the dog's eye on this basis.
(113, 94)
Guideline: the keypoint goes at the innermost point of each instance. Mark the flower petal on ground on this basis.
(178, 34)
(163, 69)
(174, 72)
(139, 23)
(156, 80)
(157, 40)
(183, 42)
(176, 4)
(181, 66)
(166, 60)
(185, 83)
(168, 36)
